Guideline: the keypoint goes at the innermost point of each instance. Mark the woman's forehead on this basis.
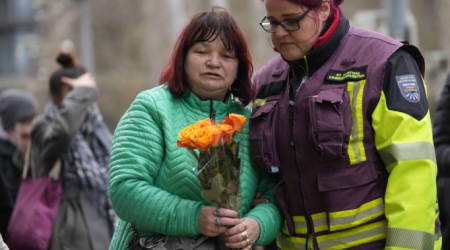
(282, 8)
(209, 38)
(211, 44)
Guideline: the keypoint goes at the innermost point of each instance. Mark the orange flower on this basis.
(205, 134)
(226, 128)
(235, 120)
(205, 123)
(227, 132)
(202, 138)
(217, 133)
(184, 139)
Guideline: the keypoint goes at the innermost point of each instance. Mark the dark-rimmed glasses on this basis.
(288, 25)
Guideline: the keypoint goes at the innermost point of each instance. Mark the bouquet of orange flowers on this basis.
(218, 167)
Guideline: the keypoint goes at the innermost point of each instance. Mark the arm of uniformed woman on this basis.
(404, 140)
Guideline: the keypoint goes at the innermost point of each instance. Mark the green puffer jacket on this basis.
(152, 183)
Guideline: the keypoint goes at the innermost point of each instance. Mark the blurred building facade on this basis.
(18, 46)
(131, 41)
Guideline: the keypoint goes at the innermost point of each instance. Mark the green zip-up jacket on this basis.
(152, 182)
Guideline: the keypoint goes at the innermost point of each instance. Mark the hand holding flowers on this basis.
(218, 171)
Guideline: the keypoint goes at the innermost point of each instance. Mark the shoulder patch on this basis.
(409, 88)
(353, 74)
(404, 87)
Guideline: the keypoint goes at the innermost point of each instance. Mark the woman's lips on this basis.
(286, 44)
(212, 75)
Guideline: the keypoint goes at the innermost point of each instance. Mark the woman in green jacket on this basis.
(152, 186)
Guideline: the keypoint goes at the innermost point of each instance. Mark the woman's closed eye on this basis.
(228, 56)
(290, 22)
(286, 22)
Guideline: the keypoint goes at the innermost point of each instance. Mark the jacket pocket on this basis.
(262, 137)
(330, 116)
(352, 195)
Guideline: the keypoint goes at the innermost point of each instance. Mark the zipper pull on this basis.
(307, 67)
(212, 113)
(213, 116)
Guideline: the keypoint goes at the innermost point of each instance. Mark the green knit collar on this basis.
(205, 106)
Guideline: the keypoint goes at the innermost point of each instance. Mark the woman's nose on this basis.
(213, 61)
(280, 32)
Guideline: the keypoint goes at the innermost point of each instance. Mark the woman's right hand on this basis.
(213, 221)
(85, 80)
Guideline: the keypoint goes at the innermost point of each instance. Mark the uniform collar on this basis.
(327, 44)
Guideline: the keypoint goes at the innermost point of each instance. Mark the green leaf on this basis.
(232, 187)
(212, 196)
(218, 184)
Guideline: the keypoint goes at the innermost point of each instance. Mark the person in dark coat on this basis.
(6, 207)
(6, 165)
(441, 128)
(17, 111)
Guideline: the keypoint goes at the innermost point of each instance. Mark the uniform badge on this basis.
(408, 87)
(353, 75)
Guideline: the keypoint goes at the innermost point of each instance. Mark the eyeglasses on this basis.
(288, 25)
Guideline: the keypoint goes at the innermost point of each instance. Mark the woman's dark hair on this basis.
(207, 26)
(314, 4)
(68, 69)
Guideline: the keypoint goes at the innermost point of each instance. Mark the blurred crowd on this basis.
(71, 129)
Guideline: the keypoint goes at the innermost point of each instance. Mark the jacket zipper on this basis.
(212, 112)
(307, 67)
(291, 121)
(306, 77)
(310, 242)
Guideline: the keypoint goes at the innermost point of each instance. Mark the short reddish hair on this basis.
(207, 26)
(314, 4)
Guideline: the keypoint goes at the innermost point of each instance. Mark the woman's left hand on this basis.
(243, 235)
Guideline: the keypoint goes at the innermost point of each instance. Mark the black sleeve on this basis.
(403, 86)
(441, 130)
(6, 208)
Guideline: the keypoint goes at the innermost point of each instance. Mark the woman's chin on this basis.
(291, 56)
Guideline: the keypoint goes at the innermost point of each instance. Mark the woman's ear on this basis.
(325, 11)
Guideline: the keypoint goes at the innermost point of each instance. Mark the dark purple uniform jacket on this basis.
(307, 139)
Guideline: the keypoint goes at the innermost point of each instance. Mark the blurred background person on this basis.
(17, 111)
(5, 209)
(71, 129)
(441, 131)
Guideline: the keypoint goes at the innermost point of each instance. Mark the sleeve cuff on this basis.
(83, 95)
